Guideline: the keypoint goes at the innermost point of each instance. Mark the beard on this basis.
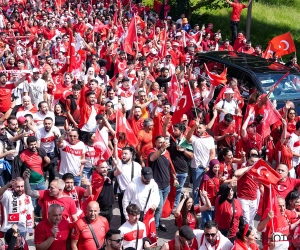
(125, 161)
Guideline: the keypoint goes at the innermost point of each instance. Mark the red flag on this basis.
(271, 116)
(150, 226)
(163, 50)
(72, 52)
(183, 106)
(102, 150)
(130, 38)
(265, 174)
(268, 53)
(283, 44)
(99, 25)
(139, 22)
(216, 79)
(195, 36)
(173, 92)
(122, 126)
(115, 18)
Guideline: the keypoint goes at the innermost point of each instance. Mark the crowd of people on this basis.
(86, 122)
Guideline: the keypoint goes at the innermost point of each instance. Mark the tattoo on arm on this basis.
(29, 191)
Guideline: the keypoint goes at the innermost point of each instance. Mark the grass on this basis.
(269, 19)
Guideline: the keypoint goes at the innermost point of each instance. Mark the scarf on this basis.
(210, 173)
(103, 77)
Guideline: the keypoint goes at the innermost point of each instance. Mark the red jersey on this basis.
(76, 194)
(45, 200)
(221, 129)
(283, 188)
(247, 187)
(211, 186)
(223, 215)
(191, 220)
(5, 96)
(43, 232)
(136, 125)
(236, 11)
(83, 234)
(252, 141)
(194, 245)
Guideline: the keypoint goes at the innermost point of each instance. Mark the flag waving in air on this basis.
(72, 52)
(102, 150)
(282, 44)
(216, 79)
(265, 174)
(122, 126)
(183, 105)
(130, 38)
(173, 92)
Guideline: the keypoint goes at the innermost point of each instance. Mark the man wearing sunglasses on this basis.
(113, 240)
(209, 238)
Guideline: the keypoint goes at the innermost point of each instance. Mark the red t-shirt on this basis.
(283, 188)
(236, 11)
(223, 215)
(75, 113)
(76, 194)
(83, 234)
(211, 186)
(136, 125)
(250, 142)
(247, 187)
(5, 96)
(222, 129)
(43, 232)
(67, 203)
(191, 220)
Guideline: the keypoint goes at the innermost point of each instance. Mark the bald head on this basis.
(93, 210)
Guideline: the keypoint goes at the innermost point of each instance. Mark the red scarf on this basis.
(215, 246)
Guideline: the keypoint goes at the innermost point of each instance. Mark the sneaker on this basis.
(162, 228)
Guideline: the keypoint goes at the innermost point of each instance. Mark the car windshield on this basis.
(288, 88)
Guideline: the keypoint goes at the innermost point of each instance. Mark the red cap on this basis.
(22, 120)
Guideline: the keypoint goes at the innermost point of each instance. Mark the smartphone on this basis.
(119, 97)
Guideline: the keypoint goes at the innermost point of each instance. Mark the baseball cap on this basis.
(186, 232)
(229, 91)
(178, 34)
(35, 70)
(22, 120)
(147, 173)
(175, 44)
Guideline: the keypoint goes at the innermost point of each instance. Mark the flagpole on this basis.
(192, 99)
(117, 121)
(270, 187)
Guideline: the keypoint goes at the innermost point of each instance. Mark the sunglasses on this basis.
(210, 235)
(118, 240)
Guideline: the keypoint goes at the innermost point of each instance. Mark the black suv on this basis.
(254, 72)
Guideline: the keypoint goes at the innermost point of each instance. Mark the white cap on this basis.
(229, 91)
(178, 34)
(35, 70)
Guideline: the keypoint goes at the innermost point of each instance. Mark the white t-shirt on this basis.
(35, 90)
(17, 210)
(125, 178)
(230, 107)
(203, 244)
(293, 143)
(89, 156)
(115, 102)
(202, 147)
(127, 96)
(10, 158)
(129, 233)
(39, 117)
(91, 124)
(137, 193)
(70, 157)
(47, 139)
(18, 91)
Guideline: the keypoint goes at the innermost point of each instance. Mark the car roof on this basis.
(256, 64)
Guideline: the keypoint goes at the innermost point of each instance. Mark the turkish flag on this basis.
(122, 126)
(150, 226)
(216, 79)
(269, 51)
(283, 44)
(173, 92)
(130, 38)
(13, 217)
(139, 22)
(163, 50)
(102, 150)
(262, 172)
(195, 37)
(132, 235)
(120, 30)
(183, 106)
(72, 52)
(271, 116)
(238, 123)
(99, 25)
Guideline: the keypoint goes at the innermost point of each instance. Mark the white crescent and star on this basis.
(259, 170)
(286, 44)
(182, 97)
(279, 188)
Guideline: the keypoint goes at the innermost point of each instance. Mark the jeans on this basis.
(163, 194)
(88, 172)
(181, 180)
(234, 27)
(38, 186)
(207, 216)
(197, 174)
